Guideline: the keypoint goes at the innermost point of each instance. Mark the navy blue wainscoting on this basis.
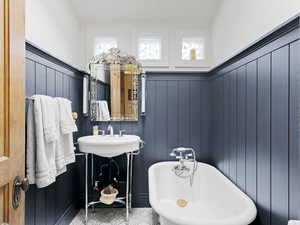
(57, 203)
(255, 138)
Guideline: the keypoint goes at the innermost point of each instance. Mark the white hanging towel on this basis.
(30, 144)
(40, 162)
(104, 111)
(294, 222)
(67, 127)
(48, 106)
(59, 148)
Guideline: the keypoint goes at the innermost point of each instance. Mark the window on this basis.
(149, 48)
(102, 45)
(192, 49)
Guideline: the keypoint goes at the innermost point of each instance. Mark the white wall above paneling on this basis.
(53, 26)
(68, 29)
(239, 23)
(92, 11)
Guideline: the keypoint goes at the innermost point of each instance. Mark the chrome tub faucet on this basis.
(184, 155)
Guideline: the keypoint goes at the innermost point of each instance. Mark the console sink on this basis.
(109, 146)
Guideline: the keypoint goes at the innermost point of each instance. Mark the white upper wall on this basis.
(228, 25)
(93, 11)
(238, 23)
(53, 26)
(128, 19)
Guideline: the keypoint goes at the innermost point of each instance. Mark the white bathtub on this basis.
(212, 200)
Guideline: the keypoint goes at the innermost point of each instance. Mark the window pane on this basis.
(149, 48)
(104, 44)
(192, 49)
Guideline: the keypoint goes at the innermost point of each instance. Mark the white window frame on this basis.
(202, 41)
(163, 36)
(177, 49)
(153, 38)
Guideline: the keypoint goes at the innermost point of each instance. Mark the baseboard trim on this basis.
(68, 215)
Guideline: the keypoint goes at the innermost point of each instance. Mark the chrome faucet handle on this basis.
(102, 132)
(188, 156)
(183, 149)
(121, 133)
(179, 149)
(142, 144)
(172, 154)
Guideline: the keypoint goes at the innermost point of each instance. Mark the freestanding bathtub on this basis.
(211, 200)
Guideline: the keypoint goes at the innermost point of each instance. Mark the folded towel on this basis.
(48, 107)
(59, 148)
(60, 157)
(67, 124)
(40, 162)
(67, 127)
(294, 222)
(69, 149)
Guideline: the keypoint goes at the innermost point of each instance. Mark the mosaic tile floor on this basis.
(138, 216)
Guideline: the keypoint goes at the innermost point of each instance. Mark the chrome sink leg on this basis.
(86, 188)
(92, 178)
(127, 186)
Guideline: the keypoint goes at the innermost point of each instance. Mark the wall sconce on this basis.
(143, 94)
(85, 107)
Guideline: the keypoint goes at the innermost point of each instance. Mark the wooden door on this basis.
(12, 128)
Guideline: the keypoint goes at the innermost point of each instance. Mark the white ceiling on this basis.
(93, 11)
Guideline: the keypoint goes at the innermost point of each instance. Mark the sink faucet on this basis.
(110, 129)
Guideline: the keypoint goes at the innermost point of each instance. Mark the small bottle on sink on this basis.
(95, 130)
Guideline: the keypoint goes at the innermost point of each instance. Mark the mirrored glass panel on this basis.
(114, 86)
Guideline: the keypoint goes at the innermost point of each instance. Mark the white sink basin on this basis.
(109, 146)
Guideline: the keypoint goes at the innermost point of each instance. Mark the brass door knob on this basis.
(24, 184)
(18, 185)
